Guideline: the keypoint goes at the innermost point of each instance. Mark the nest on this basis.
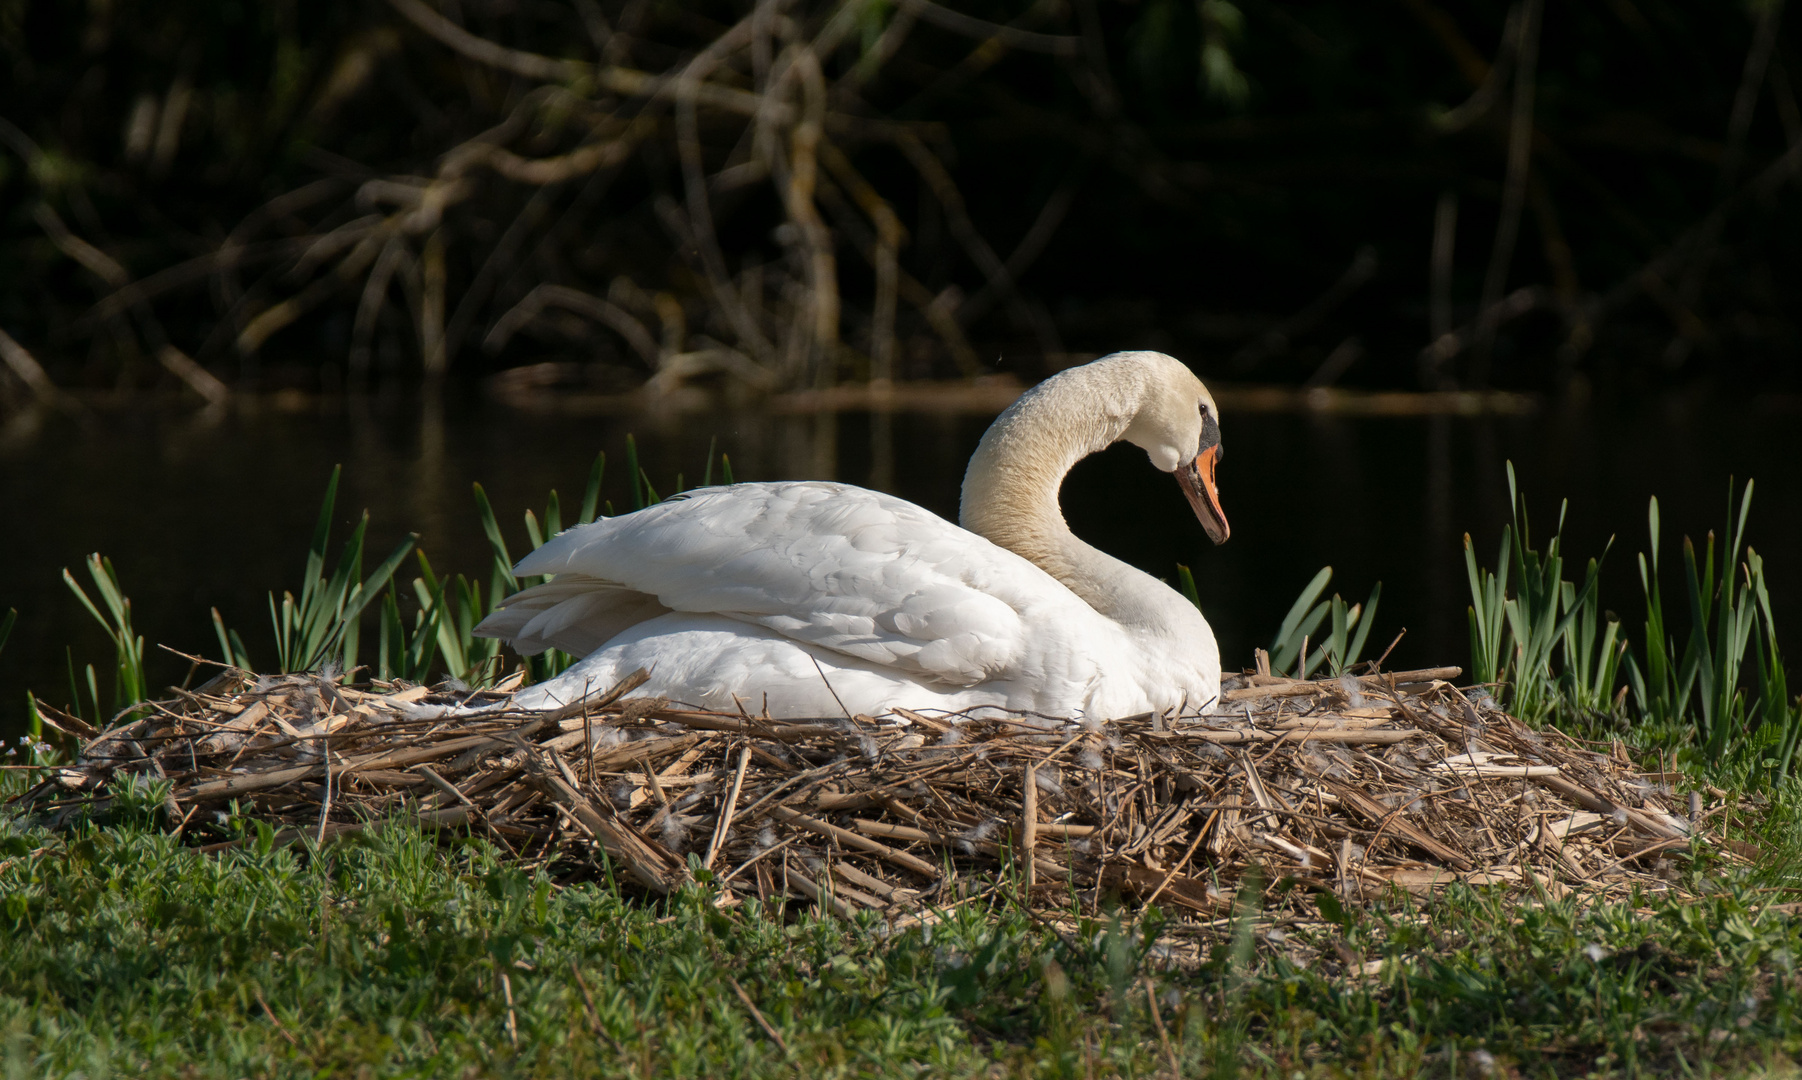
(1350, 786)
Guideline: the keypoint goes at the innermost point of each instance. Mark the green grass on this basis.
(125, 954)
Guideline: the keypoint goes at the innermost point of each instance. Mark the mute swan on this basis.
(809, 598)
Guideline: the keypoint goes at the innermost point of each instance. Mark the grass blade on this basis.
(1185, 583)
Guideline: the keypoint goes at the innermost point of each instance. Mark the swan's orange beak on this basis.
(1197, 481)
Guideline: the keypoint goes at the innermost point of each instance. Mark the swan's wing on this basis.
(855, 571)
(573, 612)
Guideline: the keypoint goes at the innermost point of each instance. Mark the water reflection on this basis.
(204, 510)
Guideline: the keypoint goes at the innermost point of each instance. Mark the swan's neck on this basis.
(1010, 493)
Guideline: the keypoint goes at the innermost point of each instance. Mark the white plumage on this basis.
(825, 596)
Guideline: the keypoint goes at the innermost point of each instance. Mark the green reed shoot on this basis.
(1704, 690)
(1513, 639)
(1591, 667)
(459, 630)
(1185, 584)
(635, 474)
(455, 607)
(1718, 663)
(1488, 610)
(1656, 689)
(129, 684)
(231, 646)
(323, 625)
(1303, 620)
(402, 653)
(1780, 725)
(1348, 630)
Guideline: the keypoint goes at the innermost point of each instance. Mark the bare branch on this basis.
(602, 311)
(481, 50)
(959, 23)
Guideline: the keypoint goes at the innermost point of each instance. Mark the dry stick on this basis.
(649, 865)
(29, 371)
(588, 741)
(820, 894)
(620, 689)
(1151, 1001)
(1029, 825)
(1514, 188)
(771, 850)
(257, 992)
(375, 294)
(856, 840)
(725, 822)
(1487, 85)
(651, 779)
(275, 317)
(829, 689)
(197, 378)
(605, 312)
(446, 786)
(1184, 861)
(1348, 736)
(774, 1035)
(507, 992)
(325, 801)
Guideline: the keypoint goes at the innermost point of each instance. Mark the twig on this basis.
(775, 1036)
(959, 23)
(325, 800)
(507, 992)
(771, 850)
(828, 682)
(1184, 861)
(1029, 823)
(29, 371)
(725, 822)
(1151, 1002)
(257, 992)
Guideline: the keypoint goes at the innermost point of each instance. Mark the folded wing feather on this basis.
(861, 573)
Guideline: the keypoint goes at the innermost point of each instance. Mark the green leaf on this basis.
(1298, 610)
(591, 495)
(1186, 584)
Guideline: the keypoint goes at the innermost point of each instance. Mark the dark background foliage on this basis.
(1254, 187)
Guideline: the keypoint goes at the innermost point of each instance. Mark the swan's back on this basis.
(862, 574)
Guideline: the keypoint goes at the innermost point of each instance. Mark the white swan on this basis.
(812, 598)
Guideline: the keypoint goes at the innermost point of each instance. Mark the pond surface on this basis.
(198, 512)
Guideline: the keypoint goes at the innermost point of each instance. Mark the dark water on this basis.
(197, 512)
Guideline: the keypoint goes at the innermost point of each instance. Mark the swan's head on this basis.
(1178, 427)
